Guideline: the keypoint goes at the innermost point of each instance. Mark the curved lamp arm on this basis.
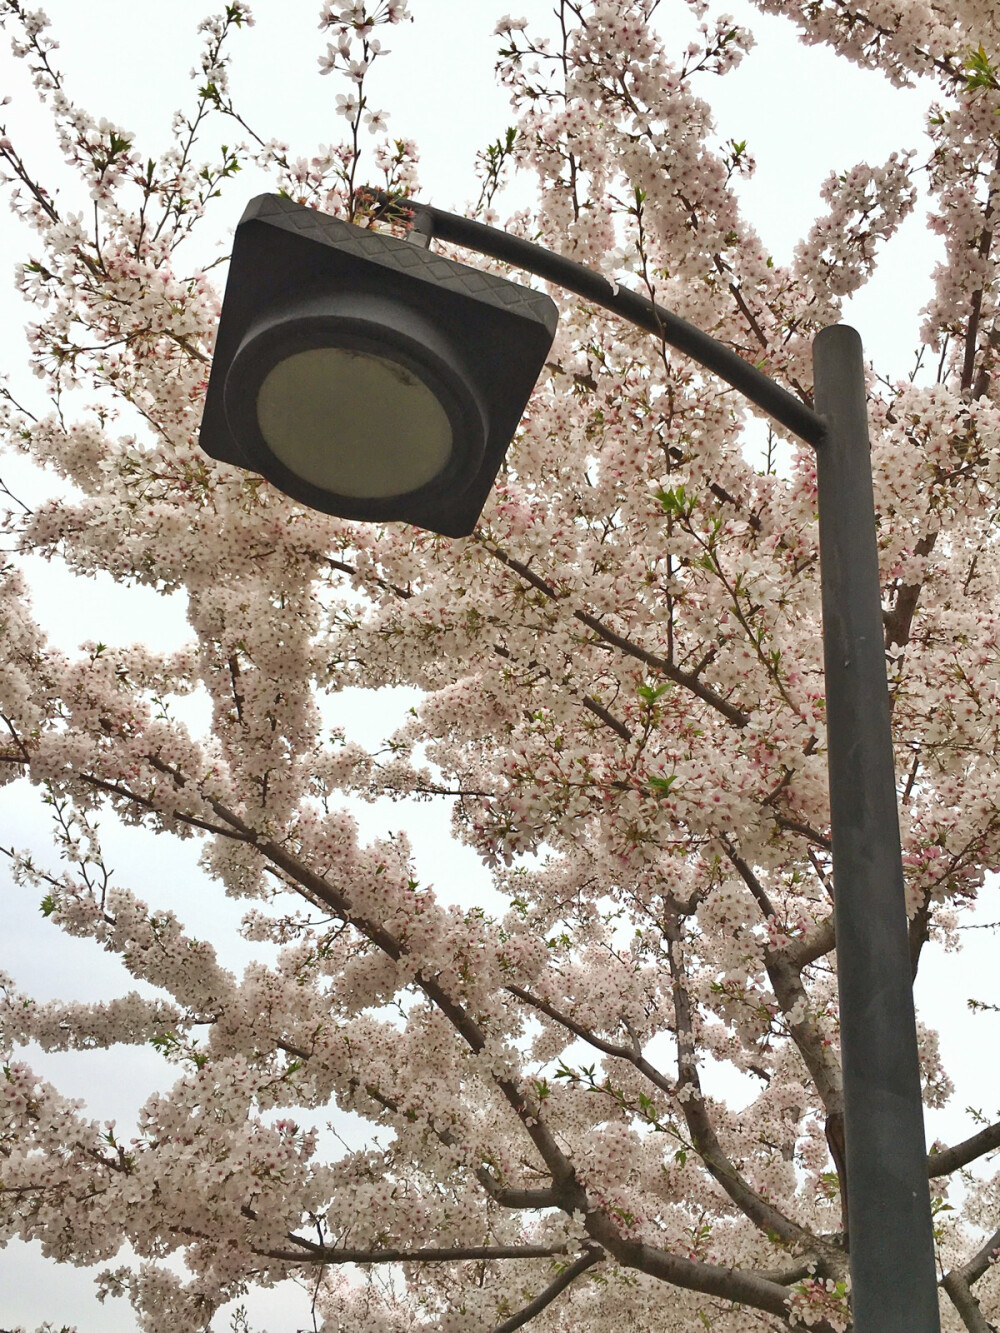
(435, 223)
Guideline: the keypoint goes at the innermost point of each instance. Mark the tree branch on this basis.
(749, 878)
(784, 969)
(762, 1214)
(918, 932)
(696, 1116)
(311, 1253)
(524, 1107)
(384, 584)
(521, 1199)
(965, 1303)
(634, 1057)
(899, 620)
(961, 1154)
(687, 679)
(982, 1259)
(972, 333)
(806, 831)
(738, 297)
(591, 704)
(554, 1289)
(958, 1285)
(731, 1284)
(113, 789)
(609, 720)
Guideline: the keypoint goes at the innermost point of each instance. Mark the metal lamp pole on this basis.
(891, 1239)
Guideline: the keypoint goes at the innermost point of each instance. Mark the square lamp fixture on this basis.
(365, 376)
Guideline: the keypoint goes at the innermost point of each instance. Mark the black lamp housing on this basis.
(468, 344)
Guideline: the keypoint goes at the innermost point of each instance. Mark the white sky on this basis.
(803, 115)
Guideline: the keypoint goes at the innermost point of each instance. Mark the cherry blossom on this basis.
(621, 702)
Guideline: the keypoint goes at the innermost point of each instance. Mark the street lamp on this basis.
(367, 377)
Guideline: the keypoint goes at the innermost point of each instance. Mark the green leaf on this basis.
(650, 693)
(675, 501)
(979, 71)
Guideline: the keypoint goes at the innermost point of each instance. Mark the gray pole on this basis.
(888, 1199)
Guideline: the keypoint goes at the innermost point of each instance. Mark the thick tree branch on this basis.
(784, 969)
(961, 1154)
(609, 720)
(311, 1253)
(899, 620)
(975, 314)
(788, 1277)
(566, 1192)
(966, 1304)
(816, 944)
(762, 1214)
(731, 1284)
(805, 830)
(799, 952)
(981, 384)
(749, 878)
(696, 1116)
(124, 793)
(526, 1109)
(958, 1285)
(981, 1260)
(918, 932)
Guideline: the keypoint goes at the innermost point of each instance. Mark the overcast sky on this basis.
(802, 113)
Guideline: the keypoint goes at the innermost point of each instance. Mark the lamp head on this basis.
(363, 375)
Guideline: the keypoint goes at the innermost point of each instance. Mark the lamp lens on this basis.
(353, 423)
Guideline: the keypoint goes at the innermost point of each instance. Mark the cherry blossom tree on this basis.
(621, 703)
